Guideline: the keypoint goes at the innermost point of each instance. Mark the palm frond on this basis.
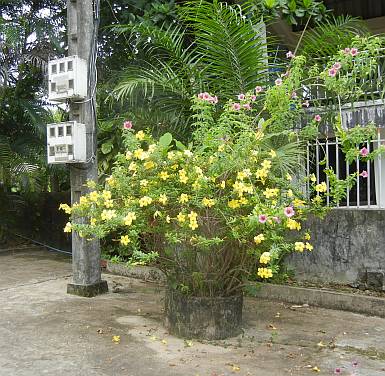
(231, 47)
(331, 35)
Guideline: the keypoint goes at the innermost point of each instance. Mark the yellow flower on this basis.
(223, 184)
(138, 153)
(266, 165)
(143, 183)
(124, 240)
(290, 193)
(308, 246)
(261, 174)
(293, 224)
(193, 220)
(140, 136)
(129, 218)
(67, 209)
(188, 153)
(164, 175)
(259, 238)
(128, 155)
(322, 187)
(168, 219)
(107, 215)
(157, 214)
(233, 204)
(182, 176)
(307, 236)
(149, 165)
(317, 199)
(298, 202)
(106, 195)
(208, 202)
(272, 153)
(163, 199)
(94, 196)
(288, 177)
(181, 217)
(145, 201)
(313, 178)
(243, 201)
(271, 192)
(93, 221)
(199, 171)
(265, 258)
(109, 203)
(170, 155)
(116, 339)
(196, 185)
(83, 200)
(299, 246)
(91, 184)
(68, 227)
(132, 167)
(183, 198)
(265, 272)
(174, 166)
(241, 175)
(221, 147)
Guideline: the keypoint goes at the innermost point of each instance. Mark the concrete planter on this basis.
(203, 317)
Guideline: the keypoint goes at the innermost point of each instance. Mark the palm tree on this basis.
(214, 48)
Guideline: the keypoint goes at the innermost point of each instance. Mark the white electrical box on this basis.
(66, 142)
(67, 79)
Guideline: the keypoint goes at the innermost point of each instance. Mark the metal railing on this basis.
(368, 188)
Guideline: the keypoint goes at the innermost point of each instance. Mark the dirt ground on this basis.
(44, 331)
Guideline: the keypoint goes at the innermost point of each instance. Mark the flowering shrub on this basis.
(212, 215)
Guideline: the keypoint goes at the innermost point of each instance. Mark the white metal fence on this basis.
(369, 188)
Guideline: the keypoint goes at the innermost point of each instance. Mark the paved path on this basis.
(44, 331)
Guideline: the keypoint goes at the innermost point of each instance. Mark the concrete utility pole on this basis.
(82, 36)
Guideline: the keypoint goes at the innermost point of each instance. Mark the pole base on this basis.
(88, 291)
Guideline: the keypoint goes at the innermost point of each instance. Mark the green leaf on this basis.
(165, 140)
(107, 147)
(307, 3)
(179, 145)
(270, 3)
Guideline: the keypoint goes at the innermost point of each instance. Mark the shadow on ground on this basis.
(44, 331)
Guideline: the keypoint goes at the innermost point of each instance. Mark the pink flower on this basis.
(127, 124)
(289, 211)
(337, 65)
(332, 72)
(317, 118)
(347, 50)
(247, 106)
(253, 97)
(236, 106)
(354, 52)
(258, 89)
(277, 219)
(355, 364)
(262, 218)
(338, 371)
(306, 103)
(290, 55)
(241, 97)
(294, 95)
(364, 152)
(214, 100)
(206, 96)
(278, 81)
(364, 174)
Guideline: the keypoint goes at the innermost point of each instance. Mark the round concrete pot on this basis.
(203, 317)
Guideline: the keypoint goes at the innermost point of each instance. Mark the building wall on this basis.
(348, 243)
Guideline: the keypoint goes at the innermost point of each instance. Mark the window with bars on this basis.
(369, 188)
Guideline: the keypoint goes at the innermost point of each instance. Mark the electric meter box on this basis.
(66, 142)
(67, 79)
